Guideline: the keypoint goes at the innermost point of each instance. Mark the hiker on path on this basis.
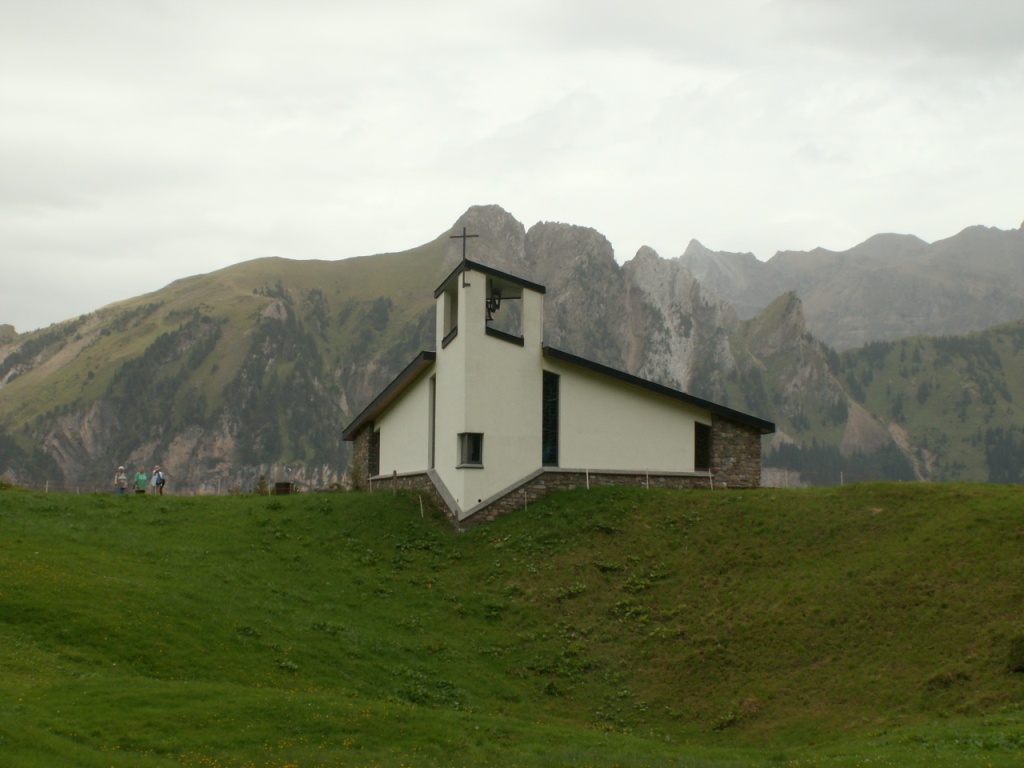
(120, 482)
(140, 480)
(159, 479)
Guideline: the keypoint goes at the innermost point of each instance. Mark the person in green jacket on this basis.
(140, 480)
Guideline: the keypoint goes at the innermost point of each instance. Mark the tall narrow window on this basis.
(451, 315)
(433, 420)
(471, 449)
(374, 451)
(701, 446)
(549, 420)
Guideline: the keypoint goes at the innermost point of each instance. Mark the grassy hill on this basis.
(869, 624)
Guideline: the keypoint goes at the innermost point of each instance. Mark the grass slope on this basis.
(870, 624)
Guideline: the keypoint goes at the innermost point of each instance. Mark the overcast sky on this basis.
(146, 140)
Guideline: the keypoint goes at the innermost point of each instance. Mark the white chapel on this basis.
(494, 419)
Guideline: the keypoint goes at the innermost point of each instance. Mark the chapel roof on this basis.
(390, 393)
(424, 360)
(761, 425)
(466, 266)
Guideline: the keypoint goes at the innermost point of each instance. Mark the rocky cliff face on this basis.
(737, 277)
(686, 327)
(585, 306)
(803, 386)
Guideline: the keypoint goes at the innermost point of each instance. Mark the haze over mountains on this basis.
(254, 369)
(888, 287)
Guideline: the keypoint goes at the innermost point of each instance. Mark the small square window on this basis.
(471, 449)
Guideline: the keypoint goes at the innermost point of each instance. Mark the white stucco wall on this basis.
(492, 387)
(504, 403)
(609, 425)
(405, 430)
(451, 392)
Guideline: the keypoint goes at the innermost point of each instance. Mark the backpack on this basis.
(158, 478)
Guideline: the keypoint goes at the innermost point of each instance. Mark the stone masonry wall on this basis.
(553, 481)
(735, 454)
(533, 490)
(418, 482)
(360, 474)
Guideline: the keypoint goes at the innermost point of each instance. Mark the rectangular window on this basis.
(433, 420)
(451, 315)
(549, 420)
(701, 446)
(374, 451)
(471, 449)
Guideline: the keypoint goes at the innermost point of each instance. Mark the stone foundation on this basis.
(532, 490)
(554, 480)
(417, 482)
(735, 461)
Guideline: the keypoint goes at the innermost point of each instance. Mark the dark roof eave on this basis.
(483, 268)
(390, 393)
(761, 425)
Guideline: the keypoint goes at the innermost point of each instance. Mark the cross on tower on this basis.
(463, 237)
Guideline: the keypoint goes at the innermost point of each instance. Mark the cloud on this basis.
(986, 32)
(143, 142)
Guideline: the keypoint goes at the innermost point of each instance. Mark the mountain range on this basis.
(896, 359)
(888, 287)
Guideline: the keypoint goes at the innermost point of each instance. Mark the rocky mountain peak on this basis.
(889, 246)
(499, 242)
(645, 253)
(740, 278)
(557, 251)
(695, 249)
(780, 325)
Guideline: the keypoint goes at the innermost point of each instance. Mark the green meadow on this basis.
(867, 625)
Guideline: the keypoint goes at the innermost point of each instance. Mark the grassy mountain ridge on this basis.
(249, 365)
(870, 624)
